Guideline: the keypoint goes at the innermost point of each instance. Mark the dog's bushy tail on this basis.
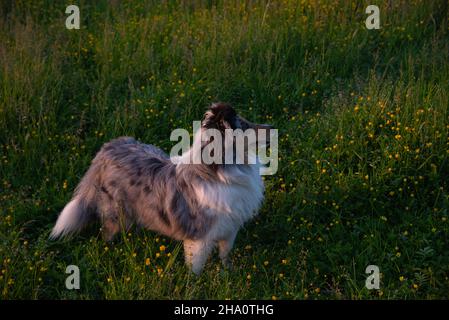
(79, 210)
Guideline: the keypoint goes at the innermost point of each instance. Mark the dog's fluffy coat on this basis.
(133, 183)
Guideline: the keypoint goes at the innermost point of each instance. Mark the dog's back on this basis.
(131, 182)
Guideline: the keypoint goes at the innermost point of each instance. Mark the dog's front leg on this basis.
(224, 247)
(196, 253)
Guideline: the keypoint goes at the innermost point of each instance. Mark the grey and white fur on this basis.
(203, 205)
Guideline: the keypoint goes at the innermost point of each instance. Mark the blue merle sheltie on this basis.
(204, 205)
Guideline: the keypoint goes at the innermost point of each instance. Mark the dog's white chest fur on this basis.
(234, 200)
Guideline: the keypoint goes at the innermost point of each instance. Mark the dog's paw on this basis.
(227, 264)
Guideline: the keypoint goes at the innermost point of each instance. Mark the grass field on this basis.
(363, 142)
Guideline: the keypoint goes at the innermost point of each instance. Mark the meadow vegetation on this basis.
(363, 142)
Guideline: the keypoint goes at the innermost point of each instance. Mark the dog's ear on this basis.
(220, 116)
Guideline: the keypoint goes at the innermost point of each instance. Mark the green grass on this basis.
(363, 126)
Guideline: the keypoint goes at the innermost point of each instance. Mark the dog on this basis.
(203, 205)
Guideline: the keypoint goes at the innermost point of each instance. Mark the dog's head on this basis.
(223, 117)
